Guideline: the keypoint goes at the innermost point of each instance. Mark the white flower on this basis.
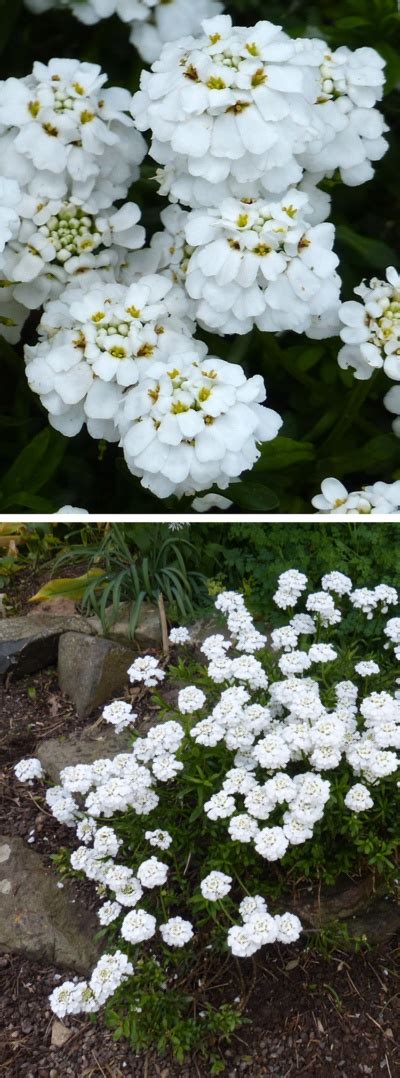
(285, 637)
(95, 344)
(109, 912)
(372, 328)
(220, 806)
(288, 927)
(294, 662)
(210, 501)
(119, 714)
(384, 497)
(110, 972)
(167, 23)
(348, 86)
(60, 240)
(106, 843)
(71, 510)
(258, 262)
(234, 104)
(365, 669)
(152, 873)
(321, 603)
(250, 905)
(358, 798)
(338, 582)
(392, 630)
(62, 121)
(138, 926)
(194, 423)
(10, 199)
(86, 829)
(322, 653)
(28, 770)
(290, 586)
(146, 669)
(179, 636)
(190, 699)
(263, 927)
(159, 838)
(215, 886)
(271, 843)
(335, 498)
(242, 828)
(241, 940)
(72, 998)
(176, 932)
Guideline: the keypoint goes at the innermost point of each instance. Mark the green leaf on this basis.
(34, 466)
(71, 587)
(372, 252)
(282, 453)
(253, 495)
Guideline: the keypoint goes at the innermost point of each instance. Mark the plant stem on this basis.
(164, 626)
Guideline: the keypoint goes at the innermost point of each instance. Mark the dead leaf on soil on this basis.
(60, 1034)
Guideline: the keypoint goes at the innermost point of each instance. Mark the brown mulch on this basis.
(309, 1015)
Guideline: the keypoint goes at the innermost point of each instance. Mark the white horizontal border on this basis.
(200, 518)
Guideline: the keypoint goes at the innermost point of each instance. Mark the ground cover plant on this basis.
(277, 768)
(257, 264)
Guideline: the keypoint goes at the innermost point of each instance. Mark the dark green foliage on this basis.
(251, 556)
(332, 425)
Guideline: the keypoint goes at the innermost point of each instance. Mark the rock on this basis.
(358, 904)
(343, 900)
(205, 627)
(39, 920)
(378, 924)
(30, 643)
(60, 1034)
(54, 607)
(147, 633)
(91, 670)
(58, 752)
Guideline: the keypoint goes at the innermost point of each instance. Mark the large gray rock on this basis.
(378, 924)
(37, 918)
(58, 752)
(91, 670)
(147, 633)
(339, 902)
(30, 643)
(365, 912)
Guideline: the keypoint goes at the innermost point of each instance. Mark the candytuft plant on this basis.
(277, 768)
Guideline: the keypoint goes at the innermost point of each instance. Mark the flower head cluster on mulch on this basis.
(309, 1015)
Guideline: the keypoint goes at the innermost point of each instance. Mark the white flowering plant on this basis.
(175, 344)
(277, 769)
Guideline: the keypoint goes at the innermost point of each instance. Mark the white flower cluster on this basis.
(285, 740)
(123, 360)
(372, 335)
(243, 105)
(259, 928)
(29, 770)
(68, 151)
(151, 22)
(259, 261)
(245, 122)
(378, 498)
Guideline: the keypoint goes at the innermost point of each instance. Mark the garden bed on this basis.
(309, 1014)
